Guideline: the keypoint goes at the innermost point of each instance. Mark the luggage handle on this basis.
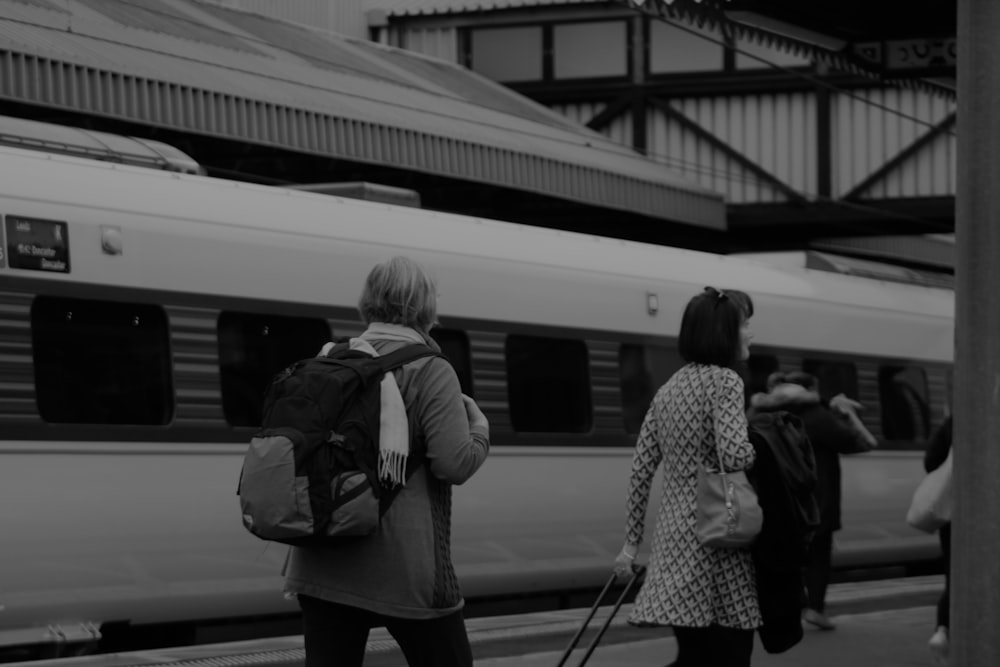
(637, 572)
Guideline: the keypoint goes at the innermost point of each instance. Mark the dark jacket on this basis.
(939, 447)
(784, 476)
(830, 437)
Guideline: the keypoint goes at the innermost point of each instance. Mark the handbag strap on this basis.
(715, 420)
(715, 415)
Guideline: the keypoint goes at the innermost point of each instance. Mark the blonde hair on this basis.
(399, 291)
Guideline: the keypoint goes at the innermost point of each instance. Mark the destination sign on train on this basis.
(38, 245)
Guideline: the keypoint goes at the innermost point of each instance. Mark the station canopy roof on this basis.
(900, 42)
(202, 68)
(426, 7)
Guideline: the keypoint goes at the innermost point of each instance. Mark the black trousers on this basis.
(817, 570)
(336, 636)
(714, 646)
(943, 607)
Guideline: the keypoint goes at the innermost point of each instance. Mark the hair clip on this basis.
(719, 294)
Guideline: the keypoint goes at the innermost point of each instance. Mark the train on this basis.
(142, 313)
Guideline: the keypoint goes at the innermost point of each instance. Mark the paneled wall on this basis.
(872, 127)
(776, 132)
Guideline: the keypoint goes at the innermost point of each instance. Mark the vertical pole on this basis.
(975, 598)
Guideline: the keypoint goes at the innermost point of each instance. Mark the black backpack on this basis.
(784, 475)
(785, 456)
(310, 474)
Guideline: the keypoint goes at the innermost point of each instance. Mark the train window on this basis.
(835, 377)
(101, 362)
(252, 348)
(904, 398)
(643, 369)
(760, 367)
(455, 346)
(548, 384)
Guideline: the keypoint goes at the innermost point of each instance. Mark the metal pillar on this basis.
(975, 598)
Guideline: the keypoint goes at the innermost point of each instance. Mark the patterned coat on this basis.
(687, 584)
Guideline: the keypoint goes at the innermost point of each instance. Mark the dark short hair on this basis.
(710, 327)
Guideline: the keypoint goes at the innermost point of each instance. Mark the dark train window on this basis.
(252, 348)
(759, 368)
(455, 346)
(101, 362)
(643, 369)
(548, 385)
(906, 413)
(835, 377)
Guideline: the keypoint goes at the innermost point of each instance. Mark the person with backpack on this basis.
(784, 476)
(401, 576)
(832, 431)
(708, 595)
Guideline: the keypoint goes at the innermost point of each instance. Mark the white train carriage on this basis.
(142, 312)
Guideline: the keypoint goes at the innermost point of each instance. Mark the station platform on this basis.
(892, 638)
(879, 624)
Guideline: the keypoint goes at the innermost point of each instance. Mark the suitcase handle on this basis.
(637, 572)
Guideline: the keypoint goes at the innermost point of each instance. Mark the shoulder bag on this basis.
(931, 505)
(729, 516)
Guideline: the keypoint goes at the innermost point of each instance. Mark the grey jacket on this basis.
(405, 570)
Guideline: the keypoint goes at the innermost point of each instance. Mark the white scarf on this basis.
(394, 427)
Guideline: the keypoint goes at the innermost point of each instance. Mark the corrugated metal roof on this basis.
(316, 92)
(417, 7)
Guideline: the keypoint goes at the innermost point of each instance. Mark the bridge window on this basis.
(643, 370)
(835, 377)
(101, 362)
(905, 407)
(589, 50)
(252, 348)
(548, 384)
(454, 345)
(673, 49)
(491, 55)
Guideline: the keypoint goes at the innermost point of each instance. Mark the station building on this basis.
(682, 127)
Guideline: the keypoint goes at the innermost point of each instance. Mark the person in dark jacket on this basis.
(784, 477)
(937, 451)
(833, 431)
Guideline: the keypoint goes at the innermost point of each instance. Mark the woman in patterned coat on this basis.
(707, 595)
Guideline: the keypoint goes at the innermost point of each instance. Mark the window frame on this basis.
(528, 421)
(548, 46)
(50, 396)
(652, 357)
(463, 364)
(238, 406)
(890, 426)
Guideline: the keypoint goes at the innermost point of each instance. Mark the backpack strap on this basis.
(391, 362)
(405, 355)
